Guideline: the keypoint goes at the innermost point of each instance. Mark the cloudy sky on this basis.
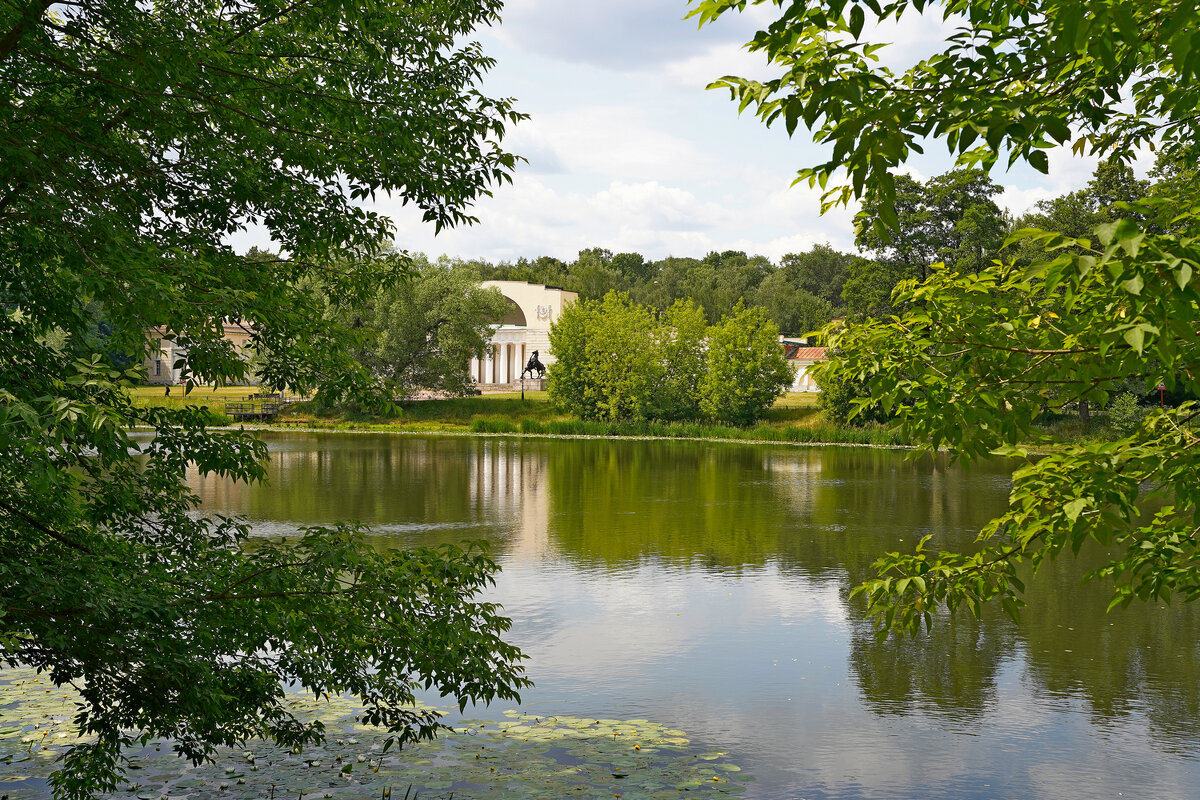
(628, 150)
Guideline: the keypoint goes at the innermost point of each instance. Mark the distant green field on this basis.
(205, 396)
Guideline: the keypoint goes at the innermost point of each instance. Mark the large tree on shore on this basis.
(424, 331)
(134, 139)
(979, 354)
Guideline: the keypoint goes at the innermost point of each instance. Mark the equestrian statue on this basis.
(534, 366)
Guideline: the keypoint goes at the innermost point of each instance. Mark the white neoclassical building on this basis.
(526, 327)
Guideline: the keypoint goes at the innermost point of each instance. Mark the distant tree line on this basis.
(951, 218)
(800, 293)
(422, 331)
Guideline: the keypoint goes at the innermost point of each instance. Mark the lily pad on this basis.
(523, 757)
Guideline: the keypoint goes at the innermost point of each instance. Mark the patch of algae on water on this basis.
(521, 756)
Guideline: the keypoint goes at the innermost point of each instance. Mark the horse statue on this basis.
(534, 366)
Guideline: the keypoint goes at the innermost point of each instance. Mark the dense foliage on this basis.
(745, 370)
(979, 352)
(134, 138)
(421, 333)
(617, 360)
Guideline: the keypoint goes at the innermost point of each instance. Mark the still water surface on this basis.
(706, 586)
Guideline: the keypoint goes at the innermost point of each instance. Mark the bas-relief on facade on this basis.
(534, 308)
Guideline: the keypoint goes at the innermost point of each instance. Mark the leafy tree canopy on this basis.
(606, 366)
(792, 308)
(134, 138)
(1078, 213)
(950, 218)
(978, 354)
(423, 332)
(821, 271)
(618, 360)
(745, 368)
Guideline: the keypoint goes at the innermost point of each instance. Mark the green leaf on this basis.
(1074, 508)
(857, 20)
(1183, 275)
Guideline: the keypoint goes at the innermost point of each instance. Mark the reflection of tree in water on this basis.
(857, 503)
(817, 512)
(442, 489)
(1143, 660)
(952, 673)
(617, 503)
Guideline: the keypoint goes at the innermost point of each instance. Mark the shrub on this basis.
(1124, 413)
(680, 361)
(615, 360)
(619, 362)
(837, 398)
(745, 368)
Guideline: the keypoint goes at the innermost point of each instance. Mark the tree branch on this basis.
(30, 16)
(53, 534)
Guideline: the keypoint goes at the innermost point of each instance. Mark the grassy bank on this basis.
(794, 418)
(212, 398)
(809, 434)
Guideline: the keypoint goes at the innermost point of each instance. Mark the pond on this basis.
(705, 587)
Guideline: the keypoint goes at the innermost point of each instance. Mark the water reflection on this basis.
(708, 586)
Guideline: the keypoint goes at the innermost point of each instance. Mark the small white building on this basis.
(533, 308)
(801, 357)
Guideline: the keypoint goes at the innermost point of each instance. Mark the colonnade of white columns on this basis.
(503, 364)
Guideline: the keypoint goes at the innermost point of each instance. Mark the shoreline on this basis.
(583, 436)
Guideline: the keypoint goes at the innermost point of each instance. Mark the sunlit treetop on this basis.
(1014, 78)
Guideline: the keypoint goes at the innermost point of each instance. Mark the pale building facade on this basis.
(533, 309)
(165, 359)
(801, 358)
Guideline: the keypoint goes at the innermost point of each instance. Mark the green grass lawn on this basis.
(465, 409)
(206, 396)
(794, 417)
(507, 412)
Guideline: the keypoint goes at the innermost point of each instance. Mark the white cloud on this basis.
(717, 61)
(1018, 200)
(542, 157)
(617, 35)
(616, 142)
(658, 219)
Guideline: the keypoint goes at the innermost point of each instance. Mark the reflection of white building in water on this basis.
(508, 479)
(526, 327)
